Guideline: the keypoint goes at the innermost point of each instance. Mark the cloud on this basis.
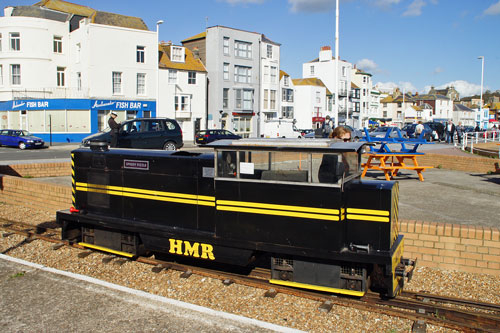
(415, 8)
(311, 6)
(242, 2)
(438, 70)
(368, 65)
(391, 86)
(493, 9)
(386, 3)
(464, 88)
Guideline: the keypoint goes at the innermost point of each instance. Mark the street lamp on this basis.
(337, 81)
(158, 67)
(482, 77)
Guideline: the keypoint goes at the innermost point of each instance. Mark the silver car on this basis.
(381, 132)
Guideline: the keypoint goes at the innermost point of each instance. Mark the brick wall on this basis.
(465, 248)
(34, 194)
(461, 163)
(36, 170)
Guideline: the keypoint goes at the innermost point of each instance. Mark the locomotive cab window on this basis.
(288, 166)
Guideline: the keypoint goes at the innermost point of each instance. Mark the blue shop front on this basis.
(69, 120)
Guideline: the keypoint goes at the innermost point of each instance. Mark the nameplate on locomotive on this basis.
(136, 165)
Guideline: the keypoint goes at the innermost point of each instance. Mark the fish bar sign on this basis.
(196, 250)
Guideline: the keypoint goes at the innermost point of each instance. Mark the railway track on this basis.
(422, 308)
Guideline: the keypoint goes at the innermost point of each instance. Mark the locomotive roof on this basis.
(288, 144)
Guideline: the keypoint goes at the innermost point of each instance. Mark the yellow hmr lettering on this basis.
(176, 247)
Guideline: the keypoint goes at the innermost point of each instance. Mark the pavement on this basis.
(36, 298)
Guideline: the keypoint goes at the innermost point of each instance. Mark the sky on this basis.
(412, 44)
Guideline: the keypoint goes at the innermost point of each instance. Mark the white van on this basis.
(280, 129)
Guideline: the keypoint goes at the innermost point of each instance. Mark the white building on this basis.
(361, 113)
(65, 67)
(235, 61)
(323, 68)
(183, 89)
(270, 87)
(311, 103)
(463, 114)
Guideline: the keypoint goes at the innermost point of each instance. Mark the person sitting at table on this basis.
(341, 133)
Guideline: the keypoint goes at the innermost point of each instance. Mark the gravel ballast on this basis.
(283, 310)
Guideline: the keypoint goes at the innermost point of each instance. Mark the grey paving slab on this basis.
(39, 299)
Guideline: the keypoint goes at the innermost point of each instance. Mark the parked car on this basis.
(19, 138)
(356, 134)
(207, 136)
(380, 132)
(144, 133)
(439, 128)
(429, 134)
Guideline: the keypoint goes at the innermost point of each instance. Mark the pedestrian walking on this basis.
(449, 131)
(114, 129)
(460, 132)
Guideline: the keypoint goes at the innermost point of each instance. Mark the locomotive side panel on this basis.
(273, 215)
(369, 212)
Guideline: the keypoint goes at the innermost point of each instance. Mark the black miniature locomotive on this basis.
(299, 203)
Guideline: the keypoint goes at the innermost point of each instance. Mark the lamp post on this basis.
(158, 67)
(337, 64)
(482, 77)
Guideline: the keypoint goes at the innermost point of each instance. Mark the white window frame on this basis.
(15, 41)
(1, 75)
(15, 75)
(274, 74)
(311, 70)
(177, 53)
(318, 97)
(225, 98)
(242, 49)
(58, 44)
(141, 84)
(272, 100)
(191, 77)
(286, 81)
(225, 70)
(243, 99)
(60, 77)
(182, 103)
(269, 51)
(79, 81)
(242, 74)
(225, 45)
(266, 99)
(172, 76)
(0, 42)
(266, 73)
(117, 83)
(140, 55)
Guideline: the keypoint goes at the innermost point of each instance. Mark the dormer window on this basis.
(177, 53)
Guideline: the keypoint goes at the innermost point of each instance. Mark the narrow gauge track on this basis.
(454, 313)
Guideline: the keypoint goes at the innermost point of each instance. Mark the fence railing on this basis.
(473, 138)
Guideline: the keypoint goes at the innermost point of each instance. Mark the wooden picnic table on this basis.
(391, 163)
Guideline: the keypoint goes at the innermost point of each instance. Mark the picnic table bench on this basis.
(390, 162)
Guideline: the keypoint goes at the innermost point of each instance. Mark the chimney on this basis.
(196, 53)
(325, 53)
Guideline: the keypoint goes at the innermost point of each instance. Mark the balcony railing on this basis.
(49, 93)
